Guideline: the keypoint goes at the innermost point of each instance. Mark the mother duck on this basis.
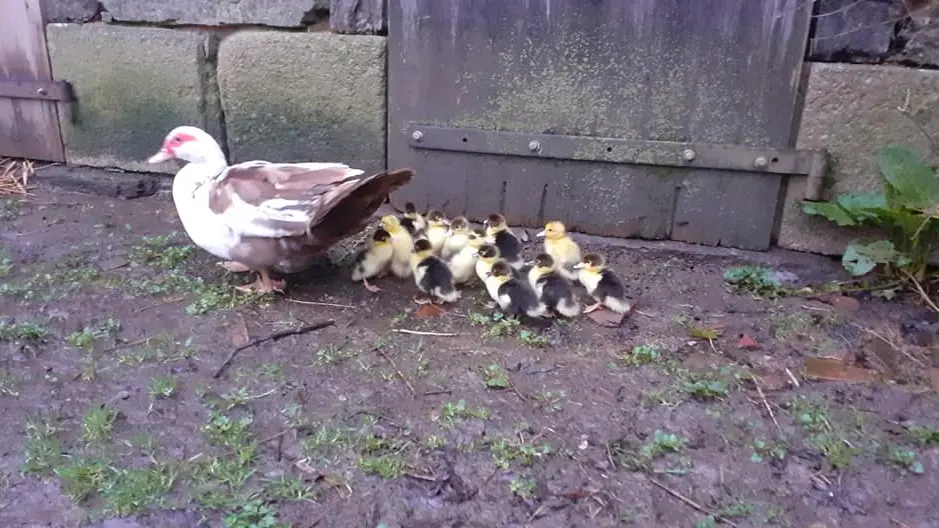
(262, 216)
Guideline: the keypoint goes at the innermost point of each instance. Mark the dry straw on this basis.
(14, 176)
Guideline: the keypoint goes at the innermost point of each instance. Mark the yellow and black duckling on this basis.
(551, 287)
(432, 275)
(403, 245)
(373, 260)
(486, 256)
(514, 296)
(413, 221)
(510, 247)
(606, 288)
(457, 237)
(463, 263)
(437, 228)
(562, 249)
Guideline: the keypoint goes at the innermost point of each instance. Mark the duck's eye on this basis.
(176, 140)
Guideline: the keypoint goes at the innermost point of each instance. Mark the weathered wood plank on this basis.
(706, 71)
(28, 128)
(360, 17)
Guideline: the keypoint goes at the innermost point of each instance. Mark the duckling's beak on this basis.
(541, 234)
(445, 222)
(476, 255)
(579, 265)
(489, 274)
(161, 156)
(529, 262)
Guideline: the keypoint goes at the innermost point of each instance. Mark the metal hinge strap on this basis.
(55, 91)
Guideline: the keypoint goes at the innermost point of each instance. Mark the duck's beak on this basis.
(161, 156)
(529, 262)
(579, 265)
(541, 234)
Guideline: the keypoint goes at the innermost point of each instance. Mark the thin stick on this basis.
(769, 409)
(690, 502)
(273, 337)
(397, 371)
(422, 333)
(792, 378)
(891, 344)
(274, 437)
(921, 291)
(314, 303)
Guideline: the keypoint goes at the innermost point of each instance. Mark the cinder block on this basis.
(304, 97)
(69, 10)
(283, 13)
(854, 111)
(133, 86)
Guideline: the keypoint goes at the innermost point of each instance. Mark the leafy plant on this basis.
(907, 209)
(754, 279)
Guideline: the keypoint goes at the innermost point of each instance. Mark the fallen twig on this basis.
(792, 378)
(397, 371)
(422, 333)
(315, 303)
(896, 347)
(273, 337)
(921, 291)
(759, 390)
(690, 502)
(436, 392)
(274, 436)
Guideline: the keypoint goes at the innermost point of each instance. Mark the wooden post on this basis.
(358, 17)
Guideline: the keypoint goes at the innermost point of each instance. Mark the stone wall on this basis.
(285, 80)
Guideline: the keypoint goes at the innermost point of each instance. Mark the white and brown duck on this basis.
(262, 216)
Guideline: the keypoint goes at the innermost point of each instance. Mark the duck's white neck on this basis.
(205, 163)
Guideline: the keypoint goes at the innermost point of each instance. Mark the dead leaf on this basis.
(747, 343)
(426, 311)
(836, 370)
(841, 302)
(607, 318)
(239, 333)
(701, 332)
(934, 378)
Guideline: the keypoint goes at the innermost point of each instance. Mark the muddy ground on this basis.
(112, 328)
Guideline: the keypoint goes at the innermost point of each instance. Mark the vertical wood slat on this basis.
(28, 128)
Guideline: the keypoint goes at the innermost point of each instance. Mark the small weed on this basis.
(707, 389)
(293, 489)
(87, 337)
(523, 487)
(435, 442)
(772, 450)
(496, 377)
(26, 331)
(161, 251)
(642, 354)
(97, 424)
(254, 514)
(161, 387)
(532, 339)
(757, 280)
(46, 286)
(131, 490)
(926, 436)
(453, 412)
(828, 440)
(322, 445)
(226, 431)
(82, 477)
(293, 415)
(332, 355)
(905, 459)
(505, 452)
(385, 466)
(43, 448)
(661, 444)
(550, 400)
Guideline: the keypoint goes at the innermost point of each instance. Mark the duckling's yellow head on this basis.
(381, 236)
(460, 225)
(495, 223)
(500, 271)
(553, 231)
(436, 218)
(488, 253)
(391, 223)
(592, 263)
(543, 262)
(423, 248)
(475, 239)
(410, 210)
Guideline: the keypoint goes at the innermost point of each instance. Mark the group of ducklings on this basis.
(441, 254)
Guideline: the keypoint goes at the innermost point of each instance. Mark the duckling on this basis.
(403, 244)
(431, 274)
(457, 237)
(437, 227)
(413, 221)
(513, 295)
(486, 256)
(463, 263)
(606, 288)
(510, 247)
(562, 248)
(551, 287)
(374, 259)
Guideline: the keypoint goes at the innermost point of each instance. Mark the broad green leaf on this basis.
(863, 206)
(914, 183)
(860, 259)
(829, 210)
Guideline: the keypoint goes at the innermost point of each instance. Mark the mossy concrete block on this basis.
(133, 85)
(69, 10)
(304, 97)
(854, 111)
(280, 13)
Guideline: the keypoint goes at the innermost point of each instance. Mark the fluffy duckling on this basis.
(437, 228)
(606, 288)
(403, 244)
(457, 237)
(551, 287)
(374, 259)
(413, 221)
(486, 256)
(562, 249)
(463, 263)
(431, 274)
(510, 247)
(513, 295)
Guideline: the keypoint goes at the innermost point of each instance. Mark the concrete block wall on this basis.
(269, 79)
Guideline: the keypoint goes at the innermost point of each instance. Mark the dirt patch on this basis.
(112, 328)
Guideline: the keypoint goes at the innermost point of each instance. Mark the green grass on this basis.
(87, 337)
(25, 331)
(161, 387)
(162, 251)
(97, 424)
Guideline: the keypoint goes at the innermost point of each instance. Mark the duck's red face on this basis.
(174, 141)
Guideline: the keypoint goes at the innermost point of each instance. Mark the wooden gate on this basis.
(642, 118)
(29, 122)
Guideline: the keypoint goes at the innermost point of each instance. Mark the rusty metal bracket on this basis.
(54, 91)
(811, 163)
